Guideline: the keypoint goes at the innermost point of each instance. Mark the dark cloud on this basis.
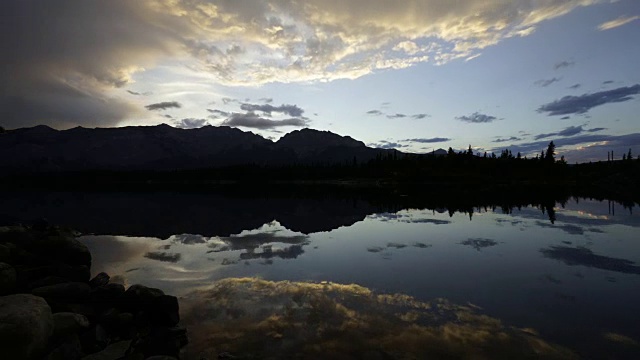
(164, 105)
(291, 110)
(252, 120)
(62, 59)
(134, 93)
(547, 82)
(216, 114)
(583, 103)
(191, 123)
(565, 118)
(575, 86)
(563, 64)
(569, 131)
(374, 112)
(266, 100)
(420, 116)
(396, 116)
(428, 140)
(384, 144)
(513, 138)
(163, 256)
(167, 116)
(477, 118)
(607, 82)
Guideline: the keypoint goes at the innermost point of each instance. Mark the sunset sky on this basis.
(415, 75)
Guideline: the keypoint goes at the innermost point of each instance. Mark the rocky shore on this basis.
(51, 308)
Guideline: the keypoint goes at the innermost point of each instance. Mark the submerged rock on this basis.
(26, 323)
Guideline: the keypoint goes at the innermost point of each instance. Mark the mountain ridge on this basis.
(166, 148)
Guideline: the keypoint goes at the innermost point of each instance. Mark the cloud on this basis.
(583, 103)
(477, 118)
(291, 110)
(623, 20)
(547, 82)
(267, 100)
(164, 105)
(384, 144)
(569, 131)
(513, 138)
(396, 116)
(565, 118)
(251, 120)
(575, 86)
(428, 141)
(163, 256)
(607, 82)
(563, 64)
(216, 114)
(420, 116)
(584, 147)
(374, 112)
(191, 123)
(64, 63)
(134, 93)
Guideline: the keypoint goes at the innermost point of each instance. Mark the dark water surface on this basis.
(565, 274)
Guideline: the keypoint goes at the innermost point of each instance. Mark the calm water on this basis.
(572, 278)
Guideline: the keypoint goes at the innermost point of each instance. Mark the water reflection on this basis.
(254, 318)
(585, 257)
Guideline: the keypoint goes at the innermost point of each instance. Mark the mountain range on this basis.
(165, 148)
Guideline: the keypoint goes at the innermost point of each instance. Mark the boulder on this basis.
(48, 280)
(99, 280)
(69, 349)
(7, 279)
(68, 323)
(116, 350)
(5, 253)
(67, 292)
(138, 297)
(26, 323)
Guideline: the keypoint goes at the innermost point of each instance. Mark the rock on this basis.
(7, 279)
(60, 248)
(161, 341)
(5, 253)
(26, 323)
(161, 357)
(70, 349)
(66, 292)
(67, 323)
(107, 296)
(80, 273)
(138, 297)
(94, 339)
(116, 350)
(164, 311)
(48, 280)
(101, 279)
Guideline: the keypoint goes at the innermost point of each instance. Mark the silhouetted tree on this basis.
(2, 130)
(629, 155)
(551, 152)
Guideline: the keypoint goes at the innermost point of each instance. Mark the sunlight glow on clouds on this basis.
(623, 20)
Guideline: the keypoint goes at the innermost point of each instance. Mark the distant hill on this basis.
(164, 148)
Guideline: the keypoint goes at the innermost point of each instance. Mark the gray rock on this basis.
(66, 292)
(7, 279)
(116, 350)
(68, 323)
(26, 324)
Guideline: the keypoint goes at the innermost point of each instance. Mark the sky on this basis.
(415, 75)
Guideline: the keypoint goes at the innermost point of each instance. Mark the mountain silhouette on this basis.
(165, 148)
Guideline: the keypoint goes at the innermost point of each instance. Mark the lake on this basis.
(287, 276)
